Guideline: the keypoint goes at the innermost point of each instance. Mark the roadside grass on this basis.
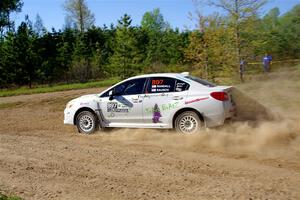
(4, 197)
(56, 88)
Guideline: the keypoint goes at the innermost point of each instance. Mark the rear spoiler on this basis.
(185, 73)
(225, 88)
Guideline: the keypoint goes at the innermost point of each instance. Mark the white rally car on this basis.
(168, 100)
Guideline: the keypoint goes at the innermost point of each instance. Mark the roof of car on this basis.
(160, 74)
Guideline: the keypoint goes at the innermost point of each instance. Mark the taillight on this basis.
(221, 96)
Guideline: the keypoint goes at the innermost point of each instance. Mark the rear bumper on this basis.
(231, 112)
(214, 120)
(219, 119)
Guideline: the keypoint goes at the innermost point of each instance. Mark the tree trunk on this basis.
(237, 35)
(30, 81)
(81, 17)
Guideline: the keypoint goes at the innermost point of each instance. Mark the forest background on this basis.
(81, 52)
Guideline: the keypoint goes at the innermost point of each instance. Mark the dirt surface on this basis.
(40, 158)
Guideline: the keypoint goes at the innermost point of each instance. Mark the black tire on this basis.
(188, 122)
(86, 122)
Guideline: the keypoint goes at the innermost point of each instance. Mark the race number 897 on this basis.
(157, 82)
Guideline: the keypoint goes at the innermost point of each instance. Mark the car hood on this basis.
(85, 98)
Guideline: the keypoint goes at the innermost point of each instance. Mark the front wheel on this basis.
(86, 122)
(188, 122)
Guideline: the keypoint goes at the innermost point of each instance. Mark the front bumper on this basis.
(68, 116)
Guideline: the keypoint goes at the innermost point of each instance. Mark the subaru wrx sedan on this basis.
(162, 101)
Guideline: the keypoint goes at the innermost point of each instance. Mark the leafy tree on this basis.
(240, 13)
(271, 18)
(99, 50)
(81, 53)
(154, 20)
(126, 59)
(154, 25)
(25, 52)
(50, 67)
(7, 7)
(38, 26)
(79, 14)
(98, 69)
(8, 67)
(2, 66)
(290, 32)
(65, 49)
(196, 53)
(107, 45)
(210, 50)
(81, 66)
(174, 45)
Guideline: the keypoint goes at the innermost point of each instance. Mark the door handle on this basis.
(177, 98)
(136, 100)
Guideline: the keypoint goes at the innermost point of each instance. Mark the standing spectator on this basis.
(270, 59)
(242, 69)
(267, 62)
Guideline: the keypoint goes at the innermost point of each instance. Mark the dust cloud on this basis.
(271, 129)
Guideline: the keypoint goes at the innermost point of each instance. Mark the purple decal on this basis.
(156, 114)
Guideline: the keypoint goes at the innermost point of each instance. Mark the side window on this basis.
(130, 87)
(181, 86)
(161, 85)
(105, 94)
(165, 84)
(135, 86)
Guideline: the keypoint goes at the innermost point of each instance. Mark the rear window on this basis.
(201, 81)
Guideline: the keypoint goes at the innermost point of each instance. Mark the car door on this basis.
(163, 97)
(125, 108)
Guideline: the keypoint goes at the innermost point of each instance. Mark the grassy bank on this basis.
(56, 88)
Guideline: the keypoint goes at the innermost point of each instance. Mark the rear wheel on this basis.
(188, 122)
(86, 122)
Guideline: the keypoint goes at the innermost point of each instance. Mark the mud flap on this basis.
(102, 120)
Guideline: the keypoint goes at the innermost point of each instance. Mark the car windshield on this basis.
(201, 81)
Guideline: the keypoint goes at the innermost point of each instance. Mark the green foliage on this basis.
(4, 197)
(38, 26)
(277, 34)
(164, 45)
(212, 51)
(126, 60)
(26, 54)
(6, 8)
(289, 31)
(154, 21)
(240, 14)
(32, 55)
(79, 14)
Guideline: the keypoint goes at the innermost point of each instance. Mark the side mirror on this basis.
(114, 92)
(111, 95)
